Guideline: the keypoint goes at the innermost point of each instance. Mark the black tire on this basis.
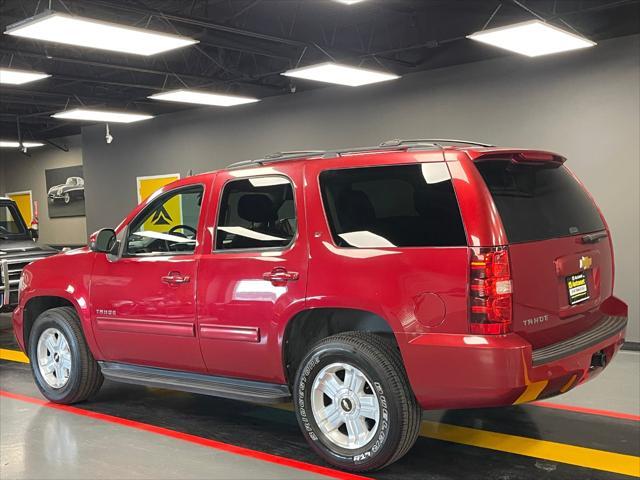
(85, 377)
(380, 361)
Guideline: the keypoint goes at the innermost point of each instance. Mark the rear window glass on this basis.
(392, 206)
(538, 202)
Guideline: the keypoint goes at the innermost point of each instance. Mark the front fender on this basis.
(66, 276)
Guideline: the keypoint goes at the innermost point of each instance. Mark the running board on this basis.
(236, 389)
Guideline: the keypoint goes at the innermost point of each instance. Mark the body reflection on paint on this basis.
(257, 290)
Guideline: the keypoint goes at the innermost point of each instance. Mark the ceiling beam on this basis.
(153, 71)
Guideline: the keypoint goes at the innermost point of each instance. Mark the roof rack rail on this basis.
(389, 145)
(276, 157)
(436, 141)
(293, 154)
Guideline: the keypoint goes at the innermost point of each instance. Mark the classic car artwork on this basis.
(72, 189)
(65, 192)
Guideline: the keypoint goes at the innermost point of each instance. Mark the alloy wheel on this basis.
(345, 406)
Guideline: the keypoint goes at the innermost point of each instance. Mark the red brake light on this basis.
(490, 291)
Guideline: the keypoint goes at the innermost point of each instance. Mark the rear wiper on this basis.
(593, 237)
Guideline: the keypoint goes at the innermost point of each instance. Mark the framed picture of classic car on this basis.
(65, 192)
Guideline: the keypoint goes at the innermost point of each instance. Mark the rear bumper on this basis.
(468, 371)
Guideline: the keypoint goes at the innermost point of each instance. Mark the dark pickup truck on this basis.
(17, 250)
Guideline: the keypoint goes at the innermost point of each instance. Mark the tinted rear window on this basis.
(392, 206)
(538, 202)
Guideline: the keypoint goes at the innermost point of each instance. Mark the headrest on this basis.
(355, 209)
(256, 208)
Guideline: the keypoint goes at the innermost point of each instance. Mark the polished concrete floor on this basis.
(131, 432)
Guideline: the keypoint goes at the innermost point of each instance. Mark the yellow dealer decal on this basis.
(25, 204)
(170, 213)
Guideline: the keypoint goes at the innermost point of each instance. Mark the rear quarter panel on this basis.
(416, 290)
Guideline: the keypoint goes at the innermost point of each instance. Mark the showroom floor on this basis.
(136, 432)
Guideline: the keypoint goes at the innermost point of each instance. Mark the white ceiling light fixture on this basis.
(14, 144)
(348, 2)
(337, 73)
(107, 116)
(86, 32)
(203, 98)
(533, 38)
(12, 76)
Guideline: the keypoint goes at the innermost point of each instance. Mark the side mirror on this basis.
(103, 241)
(34, 234)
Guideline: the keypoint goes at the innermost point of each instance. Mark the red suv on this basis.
(363, 284)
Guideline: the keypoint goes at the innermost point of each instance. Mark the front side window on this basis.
(256, 213)
(169, 225)
(392, 206)
(10, 223)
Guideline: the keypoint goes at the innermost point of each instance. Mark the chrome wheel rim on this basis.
(54, 358)
(345, 406)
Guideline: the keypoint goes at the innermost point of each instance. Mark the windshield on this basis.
(538, 202)
(11, 223)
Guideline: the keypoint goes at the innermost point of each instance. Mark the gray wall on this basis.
(583, 104)
(18, 173)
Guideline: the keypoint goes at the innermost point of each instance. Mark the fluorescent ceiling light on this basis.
(12, 144)
(85, 32)
(533, 38)
(203, 98)
(11, 76)
(341, 74)
(348, 2)
(101, 116)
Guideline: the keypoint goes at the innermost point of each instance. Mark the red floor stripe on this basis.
(590, 411)
(246, 452)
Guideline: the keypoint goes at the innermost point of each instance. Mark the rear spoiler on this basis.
(519, 156)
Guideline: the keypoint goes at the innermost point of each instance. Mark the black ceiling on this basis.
(246, 44)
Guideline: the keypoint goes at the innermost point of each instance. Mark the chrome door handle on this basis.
(280, 276)
(175, 278)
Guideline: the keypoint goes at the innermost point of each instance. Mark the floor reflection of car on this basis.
(72, 189)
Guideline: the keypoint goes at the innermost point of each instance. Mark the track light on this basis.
(108, 137)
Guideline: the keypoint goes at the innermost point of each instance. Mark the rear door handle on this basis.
(280, 276)
(176, 278)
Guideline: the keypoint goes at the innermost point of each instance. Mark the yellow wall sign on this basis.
(24, 201)
(169, 214)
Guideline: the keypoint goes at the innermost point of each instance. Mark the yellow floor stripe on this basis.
(13, 355)
(529, 447)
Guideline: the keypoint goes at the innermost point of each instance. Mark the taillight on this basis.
(490, 291)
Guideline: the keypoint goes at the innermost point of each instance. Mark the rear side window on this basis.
(538, 202)
(392, 206)
(256, 213)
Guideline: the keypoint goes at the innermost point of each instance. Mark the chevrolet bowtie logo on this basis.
(585, 263)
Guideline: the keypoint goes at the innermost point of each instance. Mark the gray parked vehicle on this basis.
(17, 250)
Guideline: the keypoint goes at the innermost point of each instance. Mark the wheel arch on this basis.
(36, 305)
(309, 326)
